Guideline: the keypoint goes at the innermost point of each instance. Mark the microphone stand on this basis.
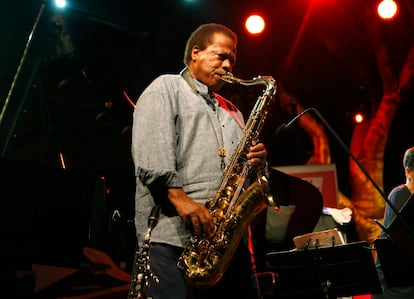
(141, 272)
(346, 149)
(8, 118)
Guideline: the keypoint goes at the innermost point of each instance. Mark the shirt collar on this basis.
(199, 87)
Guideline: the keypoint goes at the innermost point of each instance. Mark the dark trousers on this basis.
(238, 282)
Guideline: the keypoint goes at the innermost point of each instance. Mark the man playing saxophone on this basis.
(183, 135)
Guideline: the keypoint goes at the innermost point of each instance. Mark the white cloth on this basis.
(340, 216)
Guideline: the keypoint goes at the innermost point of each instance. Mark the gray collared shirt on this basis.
(175, 139)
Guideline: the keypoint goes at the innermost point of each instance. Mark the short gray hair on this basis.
(202, 37)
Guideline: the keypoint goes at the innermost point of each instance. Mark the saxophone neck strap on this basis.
(187, 77)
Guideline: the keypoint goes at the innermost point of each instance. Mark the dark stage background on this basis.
(85, 67)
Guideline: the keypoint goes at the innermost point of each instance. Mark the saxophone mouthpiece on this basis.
(228, 77)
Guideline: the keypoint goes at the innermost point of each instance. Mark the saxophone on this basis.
(205, 259)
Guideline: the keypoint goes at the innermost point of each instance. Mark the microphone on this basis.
(154, 217)
(286, 127)
(141, 271)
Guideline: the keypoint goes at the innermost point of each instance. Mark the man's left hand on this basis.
(257, 156)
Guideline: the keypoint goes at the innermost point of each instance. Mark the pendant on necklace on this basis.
(222, 152)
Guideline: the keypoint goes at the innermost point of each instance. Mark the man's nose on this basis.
(227, 65)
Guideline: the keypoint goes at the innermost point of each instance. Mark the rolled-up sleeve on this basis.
(154, 136)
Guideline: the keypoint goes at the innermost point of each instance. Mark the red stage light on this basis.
(359, 118)
(387, 9)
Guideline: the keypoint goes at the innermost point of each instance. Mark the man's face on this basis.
(208, 65)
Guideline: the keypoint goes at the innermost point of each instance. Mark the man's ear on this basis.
(194, 52)
(409, 173)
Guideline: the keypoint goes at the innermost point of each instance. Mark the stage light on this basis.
(359, 118)
(255, 24)
(60, 3)
(387, 9)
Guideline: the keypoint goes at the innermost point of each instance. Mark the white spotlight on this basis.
(60, 3)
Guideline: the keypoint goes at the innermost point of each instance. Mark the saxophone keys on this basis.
(229, 190)
(218, 214)
(223, 203)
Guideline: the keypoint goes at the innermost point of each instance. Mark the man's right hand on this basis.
(194, 215)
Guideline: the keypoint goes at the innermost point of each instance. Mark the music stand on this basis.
(396, 251)
(400, 230)
(395, 263)
(327, 272)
